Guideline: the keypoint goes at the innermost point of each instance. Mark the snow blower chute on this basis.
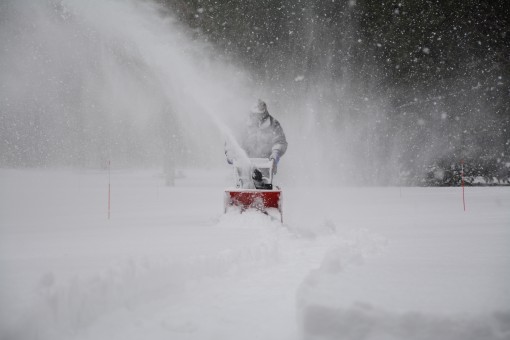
(254, 187)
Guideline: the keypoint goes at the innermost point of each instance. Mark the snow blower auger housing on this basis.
(254, 187)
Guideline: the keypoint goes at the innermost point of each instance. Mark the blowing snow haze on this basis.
(367, 92)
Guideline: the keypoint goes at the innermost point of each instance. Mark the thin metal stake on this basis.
(462, 180)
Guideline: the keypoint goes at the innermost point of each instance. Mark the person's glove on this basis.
(275, 158)
(256, 175)
(275, 167)
(229, 157)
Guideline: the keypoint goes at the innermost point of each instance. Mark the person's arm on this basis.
(279, 142)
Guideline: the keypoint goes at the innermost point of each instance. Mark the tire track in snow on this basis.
(258, 304)
(279, 257)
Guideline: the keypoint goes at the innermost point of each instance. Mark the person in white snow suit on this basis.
(263, 136)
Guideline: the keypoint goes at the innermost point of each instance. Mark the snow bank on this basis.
(364, 321)
(323, 312)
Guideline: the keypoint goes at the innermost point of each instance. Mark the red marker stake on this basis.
(109, 189)
(462, 181)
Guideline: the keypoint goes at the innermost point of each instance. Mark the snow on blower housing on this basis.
(254, 187)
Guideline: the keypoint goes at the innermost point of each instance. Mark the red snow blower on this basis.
(254, 187)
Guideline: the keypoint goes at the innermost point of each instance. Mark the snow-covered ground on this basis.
(349, 263)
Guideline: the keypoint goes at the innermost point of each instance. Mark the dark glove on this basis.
(256, 175)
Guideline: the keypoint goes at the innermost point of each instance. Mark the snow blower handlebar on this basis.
(244, 173)
(254, 186)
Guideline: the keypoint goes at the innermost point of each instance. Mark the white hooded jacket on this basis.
(262, 138)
